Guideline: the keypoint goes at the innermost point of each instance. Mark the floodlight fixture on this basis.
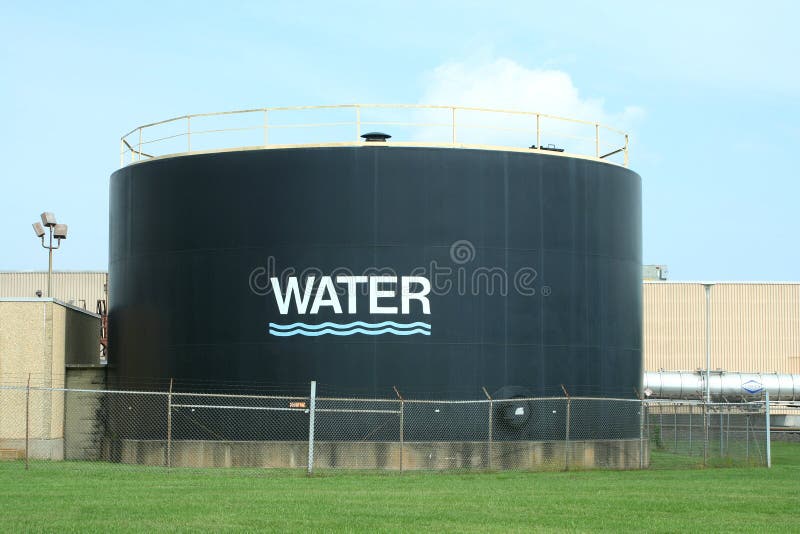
(60, 231)
(38, 228)
(49, 219)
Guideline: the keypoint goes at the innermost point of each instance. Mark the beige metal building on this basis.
(78, 288)
(755, 326)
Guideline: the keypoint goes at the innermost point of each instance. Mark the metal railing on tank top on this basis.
(401, 125)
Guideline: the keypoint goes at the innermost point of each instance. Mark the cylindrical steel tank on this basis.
(723, 385)
(534, 264)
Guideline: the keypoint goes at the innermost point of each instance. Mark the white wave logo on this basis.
(349, 329)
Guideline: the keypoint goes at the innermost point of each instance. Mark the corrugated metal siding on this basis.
(754, 327)
(756, 323)
(82, 289)
(674, 326)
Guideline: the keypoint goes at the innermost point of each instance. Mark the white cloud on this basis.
(505, 84)
(502, 83)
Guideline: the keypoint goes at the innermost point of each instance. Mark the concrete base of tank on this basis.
(523, 455)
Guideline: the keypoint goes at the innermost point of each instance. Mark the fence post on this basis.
(728, 432)
(27, 419)
(169, 425)
(402, 424)
(491, 429)
(747, 437)
(566, 433)
(312, 406)
(769, 437)
(188, 133)
(675, 423)
(705, 441)
(641, 433)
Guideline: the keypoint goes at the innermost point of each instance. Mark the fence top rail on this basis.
(177, 394)
(357, 399)
(538, 128)
(238, 396)
(183, 394)
(471, 401)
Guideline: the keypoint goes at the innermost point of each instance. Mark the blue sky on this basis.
(710, 93)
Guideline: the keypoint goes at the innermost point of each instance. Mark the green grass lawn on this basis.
(67, 496)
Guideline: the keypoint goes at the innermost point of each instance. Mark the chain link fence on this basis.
(183, 430)
(695, 434)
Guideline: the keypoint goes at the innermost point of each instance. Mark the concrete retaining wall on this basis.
(524, 455)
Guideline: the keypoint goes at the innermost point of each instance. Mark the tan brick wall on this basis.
(37, 338)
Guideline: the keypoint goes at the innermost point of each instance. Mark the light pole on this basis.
(706, 417)
(708, 341)
(57, 231)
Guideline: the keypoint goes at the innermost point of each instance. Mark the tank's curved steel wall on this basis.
(189, 236)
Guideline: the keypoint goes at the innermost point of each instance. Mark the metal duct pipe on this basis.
(724, 385)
